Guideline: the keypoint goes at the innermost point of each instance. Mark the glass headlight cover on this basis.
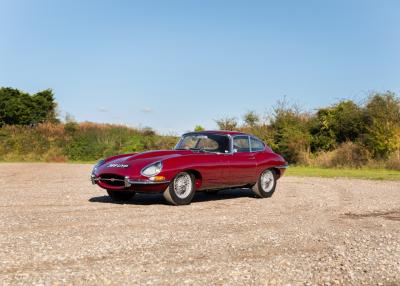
(98, 164)
(152, 169)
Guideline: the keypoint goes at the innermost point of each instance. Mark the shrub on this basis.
(76, 141)
(348, 154)
(393, 162)
(382, 115)
(291, 131)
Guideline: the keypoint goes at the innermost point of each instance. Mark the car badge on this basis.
(117, 165)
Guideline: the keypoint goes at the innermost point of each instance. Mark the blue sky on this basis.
(174, 64)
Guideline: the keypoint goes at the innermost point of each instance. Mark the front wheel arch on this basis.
(198, 178)
(173, 197)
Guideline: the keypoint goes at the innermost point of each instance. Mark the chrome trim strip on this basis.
(148, 182)
(126, 182)
(282, 166)
(248, 139)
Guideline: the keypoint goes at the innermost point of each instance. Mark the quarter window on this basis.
(241, 144)
(256, 145)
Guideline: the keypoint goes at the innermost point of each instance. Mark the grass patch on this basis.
(363, 173)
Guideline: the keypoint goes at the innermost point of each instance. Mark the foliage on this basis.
(291, 134)
(335, 125)
(227, 123)
(251, 118)
(348, 154)
(198, 128)
(344, 134)
(76, 141)
(382, 115)
(20, 108)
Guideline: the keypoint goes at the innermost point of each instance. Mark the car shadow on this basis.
(154, 199)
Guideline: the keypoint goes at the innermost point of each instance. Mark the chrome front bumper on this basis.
(127, 181)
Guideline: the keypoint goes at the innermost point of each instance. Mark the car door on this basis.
(242, 163)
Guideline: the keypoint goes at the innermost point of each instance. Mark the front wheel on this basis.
(266, 184)
(181, 190)
(120, 196)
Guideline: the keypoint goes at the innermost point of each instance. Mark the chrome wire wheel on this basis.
(183, 185)
(266, 184)
(267, 181)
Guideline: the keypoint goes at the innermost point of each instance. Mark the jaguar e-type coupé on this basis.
(201, 161)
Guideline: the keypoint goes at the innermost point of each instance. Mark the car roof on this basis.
(218, 132)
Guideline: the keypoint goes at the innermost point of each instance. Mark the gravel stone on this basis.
(58, 229)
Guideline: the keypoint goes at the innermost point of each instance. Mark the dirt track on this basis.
(56, 228)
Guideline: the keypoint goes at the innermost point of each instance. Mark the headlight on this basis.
(101, 162)
(152, 169)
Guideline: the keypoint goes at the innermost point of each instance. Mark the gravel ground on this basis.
(56, 228)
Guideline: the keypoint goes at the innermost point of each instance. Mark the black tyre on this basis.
(266, 184)
(211, 192)
(120, 196)
(181, 190)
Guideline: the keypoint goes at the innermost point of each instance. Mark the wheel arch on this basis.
(277, 172)
(197, 177)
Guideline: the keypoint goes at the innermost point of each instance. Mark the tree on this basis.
(291, 131)
(382, 115)
(337, 124)
(227, 123)
(251, 118)
(199, 128)
(20, 108)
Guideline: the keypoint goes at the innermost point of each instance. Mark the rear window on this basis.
(256, 145)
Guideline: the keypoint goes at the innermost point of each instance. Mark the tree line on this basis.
(346, 133)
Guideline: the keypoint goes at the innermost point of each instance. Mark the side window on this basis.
(256, 145)
(207, 144)
(241, 144)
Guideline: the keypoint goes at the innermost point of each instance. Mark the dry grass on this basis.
(348, 155)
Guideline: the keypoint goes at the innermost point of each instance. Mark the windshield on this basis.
(204, 142)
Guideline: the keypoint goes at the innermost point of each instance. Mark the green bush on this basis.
(20, 108)
(343, 134)
(382, 123)
(76, 142)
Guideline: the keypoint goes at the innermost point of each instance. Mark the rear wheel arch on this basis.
(277, 172)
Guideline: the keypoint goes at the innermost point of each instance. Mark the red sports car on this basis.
(201, 161)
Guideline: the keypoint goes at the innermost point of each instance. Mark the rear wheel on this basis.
(120, 196)
(181, 190)
(266, 184)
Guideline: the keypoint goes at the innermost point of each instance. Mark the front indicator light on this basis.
(157, 179)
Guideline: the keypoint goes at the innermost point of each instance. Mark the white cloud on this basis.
(146, 110)
(103, 109)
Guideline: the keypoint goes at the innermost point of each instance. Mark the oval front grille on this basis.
(112, 180)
